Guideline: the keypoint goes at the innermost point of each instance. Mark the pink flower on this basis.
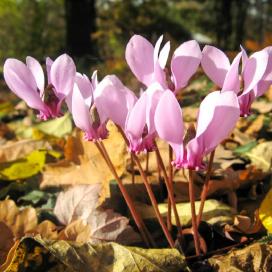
(140, 127)
(217, 116)
(149, 64)
(92, 104)
(27, 82)
(255, 75)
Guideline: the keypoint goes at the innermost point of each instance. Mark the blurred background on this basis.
(95, 32)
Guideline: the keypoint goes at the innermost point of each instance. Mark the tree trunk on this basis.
(80, 23)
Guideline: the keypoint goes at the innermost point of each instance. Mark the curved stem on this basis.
(169, 208)
(169, 190)
(147, 163)
(138, 220)
(194, 223)
(205, 188)
(154, 202)
(150, 194)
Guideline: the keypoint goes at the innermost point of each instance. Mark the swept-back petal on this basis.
(185, 62)
(163, 55)
(136, 119)
(154, 93)
(80, 111)
(266, 80)
(211, 130)
(37, 71)
(85, 86)
(94, 79)
(62, 74)
(48, 63)
(22, 82)
(168, 119)
(215, 64)
(139, 56)
(114, 100)
(232, 81)
(254, 70)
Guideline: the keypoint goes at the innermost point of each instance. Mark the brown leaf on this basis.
(110, 226)
(47, 230)
(254, 258)
(77, 231)
(262, 106)
(16, 150)
(77, 203)
(80, 203)
(256, 125)
(87, 165)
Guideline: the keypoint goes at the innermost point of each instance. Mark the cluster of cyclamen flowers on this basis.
(156, 112)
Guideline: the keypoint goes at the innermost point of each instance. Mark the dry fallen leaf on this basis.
(262, 106)
(255, 126)
(77, 203)
(17, 150)
(87, 165)
(254, 258)
(80, 203)
(261, 156)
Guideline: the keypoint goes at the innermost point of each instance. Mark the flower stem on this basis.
(194, 223)
(132, 170)
(150, 194)
(147, 163)
(205, 188)
(138, 220)
(169, 190)
(169, 208)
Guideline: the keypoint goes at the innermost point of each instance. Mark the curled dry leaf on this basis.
(77, 207)
(256, 257)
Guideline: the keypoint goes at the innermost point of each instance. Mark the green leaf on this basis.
(58, 127)
(245, 148)
(34, 197)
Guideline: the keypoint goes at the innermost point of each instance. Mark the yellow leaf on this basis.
(265, 212)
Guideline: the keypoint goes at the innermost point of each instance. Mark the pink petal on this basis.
(232, 80)
(244, 58)
(94, 79)
(63, 72)
(85, 86)
(185, 62)
(169, 123)
(136, 119)
(154, 93)
(211, 128)
(215, 64)
(157, 49)
(37, 71)
(80, 111)
(163, 56)
(48, 63)
(22, 82)
(139, 56)
(255, 68)
(266, 80)
(114, 100)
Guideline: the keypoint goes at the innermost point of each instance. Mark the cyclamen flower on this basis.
(218, 114)
(140, 128)
(27, 81)
(255, 77)
(92, 104)
(149, 64)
